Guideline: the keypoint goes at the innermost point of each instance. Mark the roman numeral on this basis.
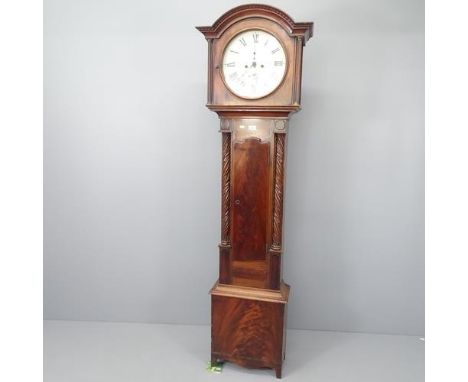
(230, 64)
(275, 50)
(279, 63)
(233, 51)
(255, 37)
(242, 41)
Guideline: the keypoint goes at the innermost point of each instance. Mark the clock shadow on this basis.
(319, 202)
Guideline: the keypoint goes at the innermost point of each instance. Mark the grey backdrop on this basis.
(132, 165)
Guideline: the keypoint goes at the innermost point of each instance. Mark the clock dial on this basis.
(254, 64)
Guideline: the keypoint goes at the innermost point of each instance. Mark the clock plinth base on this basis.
(248, 325)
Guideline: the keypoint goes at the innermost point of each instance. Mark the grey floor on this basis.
(96, 351)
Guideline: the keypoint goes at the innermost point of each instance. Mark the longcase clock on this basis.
(254, 84)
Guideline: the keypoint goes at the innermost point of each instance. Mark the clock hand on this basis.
(254, 64)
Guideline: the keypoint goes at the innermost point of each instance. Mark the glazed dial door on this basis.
(254, 64)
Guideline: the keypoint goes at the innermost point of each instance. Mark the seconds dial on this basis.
(254, 64)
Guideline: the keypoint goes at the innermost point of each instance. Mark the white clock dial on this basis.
(254, 64)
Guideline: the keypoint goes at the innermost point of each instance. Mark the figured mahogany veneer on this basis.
(250, 212)
(248, 326)
(249, 300)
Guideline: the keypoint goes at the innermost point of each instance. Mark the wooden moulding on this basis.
(252, 111)
(267, 295)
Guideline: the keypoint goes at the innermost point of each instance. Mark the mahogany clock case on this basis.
(249, 300)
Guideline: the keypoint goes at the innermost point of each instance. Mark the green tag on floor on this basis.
(215, 367)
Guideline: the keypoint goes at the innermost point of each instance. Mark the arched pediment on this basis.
(242, 12)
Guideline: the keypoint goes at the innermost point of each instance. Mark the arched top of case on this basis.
(242, 12)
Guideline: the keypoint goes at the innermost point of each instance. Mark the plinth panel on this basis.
(248, 329)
